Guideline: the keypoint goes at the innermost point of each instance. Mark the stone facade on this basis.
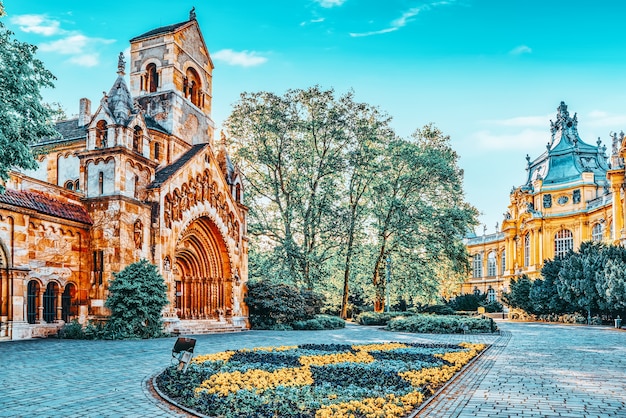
(573, 193)
(140, 178)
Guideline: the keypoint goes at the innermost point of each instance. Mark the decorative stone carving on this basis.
(562, 200)
(138, 234)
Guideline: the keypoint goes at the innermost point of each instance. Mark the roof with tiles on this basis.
(46, 204)
(165, 173)
(68, 130)
(159, 31)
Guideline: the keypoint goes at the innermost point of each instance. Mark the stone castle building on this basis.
(573, 193)
(139, 178)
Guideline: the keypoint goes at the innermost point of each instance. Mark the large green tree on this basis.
(295, 150)
(419, 214)
(24, 119)
(333, 193)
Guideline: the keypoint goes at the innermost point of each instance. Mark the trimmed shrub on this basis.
(379, 318)
(137, 296)
(438, 310)
(278, 305)
(449, 324)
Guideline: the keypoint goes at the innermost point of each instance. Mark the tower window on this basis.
(192, 87)
(101, 134)
(136, 185)
(152, 78)
(157, 150)
(137, 139)
(69, 185)
(100, 183)
(98, 266)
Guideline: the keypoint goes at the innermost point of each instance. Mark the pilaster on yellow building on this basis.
(573, 193)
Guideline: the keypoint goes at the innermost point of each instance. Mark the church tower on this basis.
(171, 78)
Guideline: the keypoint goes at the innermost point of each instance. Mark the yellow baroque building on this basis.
(573, 193)
(141, 177)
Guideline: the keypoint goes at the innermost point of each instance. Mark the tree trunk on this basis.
(346, 272)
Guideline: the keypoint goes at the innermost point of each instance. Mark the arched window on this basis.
(136, 186)
(157, 150)
(69, 185)
(69, 310)
(137, 139)
(50, 302)
(491, 295)
(152, 78)
(101, 134)
(238, 192)
(597, 232)
(491, 263)
(563, 242)
(503, 262)
(100, 183)
(476, 291)
(192, 87)
(527, 250)
(478, 265)
(32, 300)
(77, 185)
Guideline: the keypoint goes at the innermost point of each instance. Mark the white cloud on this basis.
(73, 44)
(375, 32)
(519, 50)
(330, 3)
(525, 140)
(38, 24)
(319, 20)
(599, 118)
(86, 60)
(403, 20)
(81, 48)
(239, 58)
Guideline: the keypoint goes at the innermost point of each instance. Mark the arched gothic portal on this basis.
(204, 276)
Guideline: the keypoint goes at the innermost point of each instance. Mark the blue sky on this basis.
(488, 73)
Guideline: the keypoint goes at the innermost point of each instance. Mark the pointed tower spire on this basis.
(121, 65)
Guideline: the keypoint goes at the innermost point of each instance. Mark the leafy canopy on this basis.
(24, 118)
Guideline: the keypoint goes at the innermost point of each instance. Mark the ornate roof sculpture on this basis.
(119, 101)
(567, 156)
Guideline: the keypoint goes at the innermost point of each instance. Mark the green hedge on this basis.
(449, 324)
(379, 318)
(320, 322)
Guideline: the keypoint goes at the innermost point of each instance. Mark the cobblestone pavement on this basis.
(532, 370)
(541, 370)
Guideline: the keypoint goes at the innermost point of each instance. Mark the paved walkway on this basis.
(533, 370)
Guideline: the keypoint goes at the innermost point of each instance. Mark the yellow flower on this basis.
(224, 356)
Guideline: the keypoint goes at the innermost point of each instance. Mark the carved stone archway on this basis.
(203, 284)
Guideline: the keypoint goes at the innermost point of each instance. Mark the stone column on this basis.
(59, 300)
(40, 308)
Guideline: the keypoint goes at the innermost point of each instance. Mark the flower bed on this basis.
(316, 380)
